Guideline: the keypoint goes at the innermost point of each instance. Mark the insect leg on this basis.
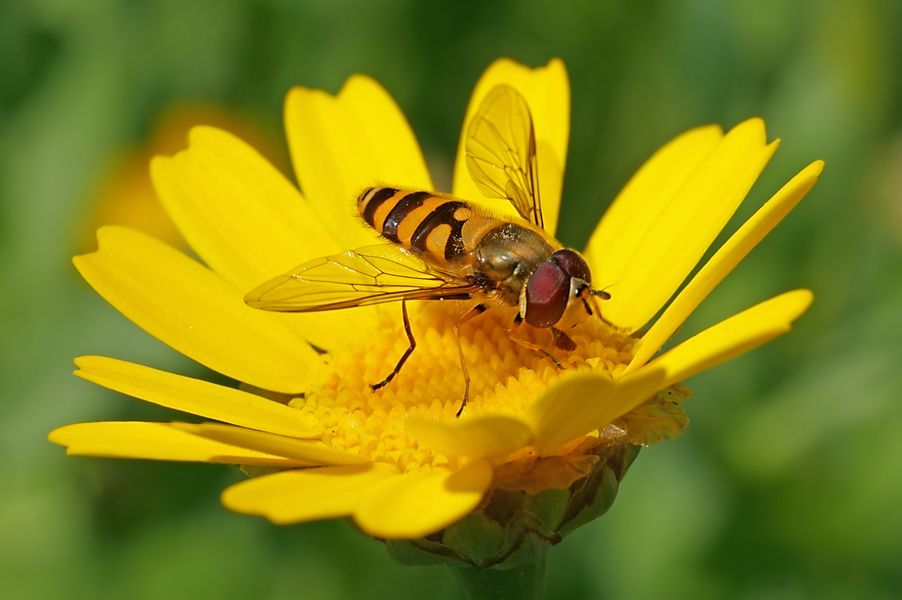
(412, 344)
(593, 296)
(518, 320)
(476, 310)
(535, 348)
(562, 340)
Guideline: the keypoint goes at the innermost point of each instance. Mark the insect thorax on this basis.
(508, 255)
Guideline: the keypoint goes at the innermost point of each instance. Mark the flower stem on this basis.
(526, 582)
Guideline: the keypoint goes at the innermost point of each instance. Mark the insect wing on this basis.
(365, 276)
(501, 152)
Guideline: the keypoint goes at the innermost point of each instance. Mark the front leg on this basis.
(562, 340)
(518, 320)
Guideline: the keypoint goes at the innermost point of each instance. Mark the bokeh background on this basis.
(787, 484)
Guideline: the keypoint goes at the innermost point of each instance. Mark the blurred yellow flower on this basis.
(124, 194)
(397, 461)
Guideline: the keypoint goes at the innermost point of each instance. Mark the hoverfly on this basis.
(443, 248)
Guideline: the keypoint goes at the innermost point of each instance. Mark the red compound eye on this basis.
(547, 294)
(573, 264)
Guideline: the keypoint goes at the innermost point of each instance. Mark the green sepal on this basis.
(514, 528)
(595, 494)
(476, 536)
(550, 507)
(422, 552)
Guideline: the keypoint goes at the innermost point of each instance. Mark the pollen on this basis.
(507, 372)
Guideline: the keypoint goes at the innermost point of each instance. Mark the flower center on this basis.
(505, 376)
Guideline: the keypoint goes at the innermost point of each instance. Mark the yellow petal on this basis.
(342, 144)
(479, 437)
(155, 441)
(642, 269)
(416, 504)
(636, 208)
(186, 306)
(724, 261)
(196, 396)
(732, 337)
(306, 494)
(246, 221)
(241, 216)
(308, 451)
(547, 92)
(584, 402)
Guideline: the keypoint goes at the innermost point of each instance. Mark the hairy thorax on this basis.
(507, 256)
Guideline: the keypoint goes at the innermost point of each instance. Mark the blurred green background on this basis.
(787, 484)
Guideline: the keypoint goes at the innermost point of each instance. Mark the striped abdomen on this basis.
(442, 229)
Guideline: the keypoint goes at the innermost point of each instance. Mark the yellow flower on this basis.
(125, 194)
(397, 460)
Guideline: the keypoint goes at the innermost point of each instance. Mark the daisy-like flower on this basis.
(539, 450)
(125, 195)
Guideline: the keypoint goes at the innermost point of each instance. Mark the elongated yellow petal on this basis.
(196, 397)
(186, 306)
(419, 503)
(644, 269)
(547, 91)
(732, 337)
(247, 222)
(583, 402)
(724, 261)
(645, 196)
(342, 144)
(306, 494)
(479, 437)
(309, 451)
(241, 216)
(156, 441)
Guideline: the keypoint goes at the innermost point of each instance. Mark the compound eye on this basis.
(573, 264)
(547, 295)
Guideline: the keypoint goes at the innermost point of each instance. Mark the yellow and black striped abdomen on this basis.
(421, 221)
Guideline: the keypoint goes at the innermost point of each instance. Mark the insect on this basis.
(443, 248)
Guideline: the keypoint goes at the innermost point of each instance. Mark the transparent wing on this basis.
(365, 276)
(501, 152)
